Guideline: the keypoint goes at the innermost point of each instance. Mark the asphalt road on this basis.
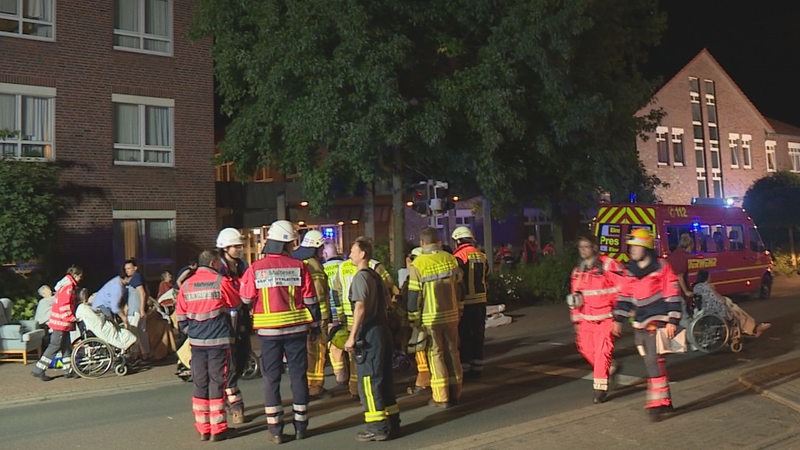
(530, 374)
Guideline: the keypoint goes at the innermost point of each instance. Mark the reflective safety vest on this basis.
(652, 297)
(344, 278)
(202, 308)
(281, 292)
(475, 268)
(599, 287)
(433, 279)
(320, 279)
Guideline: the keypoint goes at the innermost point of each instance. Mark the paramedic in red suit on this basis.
(596, 280)
(650, 295)
(203, 311)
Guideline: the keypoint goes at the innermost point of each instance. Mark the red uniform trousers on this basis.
(596, 343)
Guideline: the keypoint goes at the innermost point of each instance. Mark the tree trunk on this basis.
(398, 237)
(369, 210)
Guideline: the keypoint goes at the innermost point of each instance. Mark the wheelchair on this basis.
(92, 357)
(711, 333)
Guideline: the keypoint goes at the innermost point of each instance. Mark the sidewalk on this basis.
(751, 404)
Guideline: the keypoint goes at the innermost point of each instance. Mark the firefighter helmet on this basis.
(282, 231)
(313, 239)
(641, 237)
(462, 233)
(228, 237)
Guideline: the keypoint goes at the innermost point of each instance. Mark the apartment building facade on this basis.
(116, 94)
(713, 142)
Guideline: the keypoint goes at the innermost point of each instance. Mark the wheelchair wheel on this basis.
(121, 370)
(709, 333)
(251, 369)
(92, 358)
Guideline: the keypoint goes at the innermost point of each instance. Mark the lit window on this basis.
(27, 116)
(147, 236)
(27, 18)
(747, 160)
(794, 156)
(143, 130)
(143, 25)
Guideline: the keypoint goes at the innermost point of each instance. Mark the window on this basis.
(677, 146)
(662, 148)
(713, 132)
(143, 25)
(756, 244)
(711, 108)
(264, 174)
(694, 84)
(143, 130)
(794, 156)
(711, 238)
(746, 157)
(674, 233)
(29, 113)
(733, 145)
(224, 172)
(770, 146)
(28, 18)
(698, 132)
(702, 188)
(147, 236)
(735, 237)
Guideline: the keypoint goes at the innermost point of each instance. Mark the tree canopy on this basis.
(522, 101)
(768, 200)
(29, 207)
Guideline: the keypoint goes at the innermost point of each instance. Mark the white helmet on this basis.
(282, 231)
(313, 239)
(462, 233)
(228, 237)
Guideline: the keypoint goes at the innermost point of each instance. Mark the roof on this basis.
(783, 127)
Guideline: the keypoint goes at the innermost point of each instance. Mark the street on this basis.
(536, 392)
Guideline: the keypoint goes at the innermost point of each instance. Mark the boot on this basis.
(599, 396)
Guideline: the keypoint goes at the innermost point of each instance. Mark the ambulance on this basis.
(726, 241)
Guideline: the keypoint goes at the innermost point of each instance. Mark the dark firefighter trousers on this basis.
(373, 355)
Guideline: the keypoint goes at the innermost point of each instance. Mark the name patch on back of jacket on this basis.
(278, 277)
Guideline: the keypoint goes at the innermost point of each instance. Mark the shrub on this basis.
(548, 280)
(24, 308)
(22, 291)
(782, 264)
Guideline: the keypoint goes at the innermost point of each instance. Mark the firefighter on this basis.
(433, 303)
(594, 288)
(202, 310)
(285, 309)
(331, 266)
(650, 295)
(231, 246)
(340, 360)
(472, 326)
(310, 252)
(417, 340)
(370, 340)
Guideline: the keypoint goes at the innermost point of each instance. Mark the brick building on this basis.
(713, 141)
(117, 95)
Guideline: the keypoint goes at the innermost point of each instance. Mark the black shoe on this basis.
(415, 390)
(299, 435)
(276, 439)
(204, 436)
(227, 434)
(444, 405)
(42, 376)
(367, 436)
(599, 397)
(660, 413)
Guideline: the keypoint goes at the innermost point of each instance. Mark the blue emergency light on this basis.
(328, 233)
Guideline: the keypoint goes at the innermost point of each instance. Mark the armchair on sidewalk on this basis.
(17, 339)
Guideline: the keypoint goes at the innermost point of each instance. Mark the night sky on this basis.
(756, 42)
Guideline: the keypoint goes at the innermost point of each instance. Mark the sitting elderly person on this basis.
(718, 305)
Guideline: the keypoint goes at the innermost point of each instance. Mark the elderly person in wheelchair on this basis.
(718, 321)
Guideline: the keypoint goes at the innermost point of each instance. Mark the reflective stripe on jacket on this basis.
(62, 314)
(433, 279)
(655, 297)
(282, 295)
(203, 308)
(344, 278)
(599, 286)
(475, 268)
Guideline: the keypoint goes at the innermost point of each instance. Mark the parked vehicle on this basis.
(726, 241)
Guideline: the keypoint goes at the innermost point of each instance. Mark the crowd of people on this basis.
(305, 303)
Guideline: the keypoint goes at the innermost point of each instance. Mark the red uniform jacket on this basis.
(599, 286)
